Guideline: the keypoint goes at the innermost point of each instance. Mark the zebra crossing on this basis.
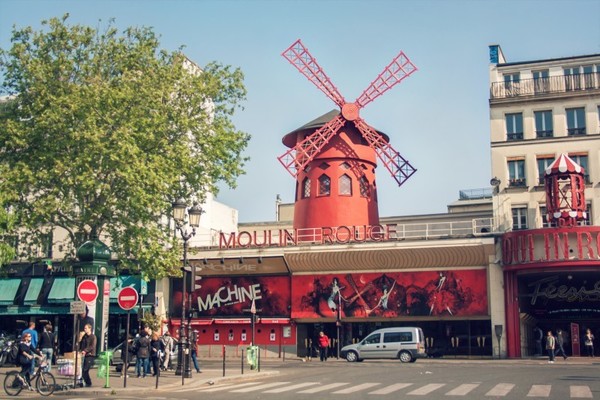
(375, 389)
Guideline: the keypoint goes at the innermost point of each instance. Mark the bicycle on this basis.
(45, 383)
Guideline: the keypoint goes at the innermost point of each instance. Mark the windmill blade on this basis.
(400, 169)
(296, 158)
(300, 58)
(400, 67)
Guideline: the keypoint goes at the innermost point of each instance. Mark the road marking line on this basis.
(219, 388)
(293, 387)
(462, 390)
(427, 389)
(539, 391)
(356, 388)
(581, 392)
(259, 387)
(500, 389)
(391, 388)
(324, 387)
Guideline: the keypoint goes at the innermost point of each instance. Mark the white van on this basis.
(407, 344)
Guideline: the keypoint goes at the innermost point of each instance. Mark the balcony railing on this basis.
(517, 182)
(552, 84)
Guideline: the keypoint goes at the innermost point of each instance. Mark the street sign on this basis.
(127, 298)
(77, 307)
(87, 291)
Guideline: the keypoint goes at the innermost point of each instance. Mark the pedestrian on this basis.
(46, 344)
(142, 348)
(34, 342)
(27, 355)
(169, 346)
(539, 336)
(323, 346)
(194, 345)
(156, 352)
(560, 340)
(550, 345)
(588, 341)
(88, 345)
(127, 355)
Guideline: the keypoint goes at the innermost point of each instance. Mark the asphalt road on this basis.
(425, 379)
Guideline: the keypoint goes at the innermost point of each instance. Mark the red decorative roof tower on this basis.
(333, 158)
(565, 192)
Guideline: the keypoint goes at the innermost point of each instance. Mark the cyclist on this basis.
(27, 355)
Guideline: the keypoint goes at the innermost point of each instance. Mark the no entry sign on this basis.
(87, 291)
(127, 298)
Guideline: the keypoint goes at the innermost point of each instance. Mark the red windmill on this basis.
(334, 165)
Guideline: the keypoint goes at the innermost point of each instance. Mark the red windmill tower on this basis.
(334, 165)
(565, 192)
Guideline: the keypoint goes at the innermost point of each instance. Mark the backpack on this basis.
(14, 353)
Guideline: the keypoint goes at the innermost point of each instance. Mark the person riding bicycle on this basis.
(27, 355)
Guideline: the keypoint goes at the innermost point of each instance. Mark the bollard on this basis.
(242, 359)
(224, 354)
(104, 367)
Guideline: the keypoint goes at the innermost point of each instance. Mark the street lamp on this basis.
(180, 208)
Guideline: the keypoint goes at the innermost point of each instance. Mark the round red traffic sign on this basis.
(87, 291)
(127, 298)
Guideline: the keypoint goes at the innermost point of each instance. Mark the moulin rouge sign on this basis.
(293, 237)
(551, 245)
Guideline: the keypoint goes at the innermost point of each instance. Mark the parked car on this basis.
(406, 344)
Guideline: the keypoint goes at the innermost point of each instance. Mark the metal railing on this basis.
(540, 86)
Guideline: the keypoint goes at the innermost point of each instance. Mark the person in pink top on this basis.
(323, 346)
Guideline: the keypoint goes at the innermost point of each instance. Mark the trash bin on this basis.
(252, 356)
(103, 362)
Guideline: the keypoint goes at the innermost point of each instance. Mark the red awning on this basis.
(202, 321)
(236, 321)
(279, 321)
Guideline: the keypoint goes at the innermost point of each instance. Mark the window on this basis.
(324, 185)
(514, 126)
(364, 187)
(345, 185)
(306, 188)
(46, 245)
(541, 81)
(511, 84)
(572, 81)
(394, 337)
(519, 217)
(543, 124)
(542, 164)
(582, 160)
(576, 121)
(588, 77)
(372, 339)
(544, 220)
(516, 173)
(588, 220)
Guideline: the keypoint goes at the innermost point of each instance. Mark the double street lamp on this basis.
(180, 208)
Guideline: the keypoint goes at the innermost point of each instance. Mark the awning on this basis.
(119, 282)
(279, 321)
(233, 321)
(8, 290)
(35, 285)
(33, 310)
(63, 290)
(116, 309)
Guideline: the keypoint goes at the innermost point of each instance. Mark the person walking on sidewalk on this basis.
(323, 346)
(87, 345)
(550, 345)
(156, 351)
(142, 347)
(169, 346)
(46, 344)
(588, 342)
(560, 340)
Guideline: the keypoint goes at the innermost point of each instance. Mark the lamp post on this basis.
(338, 324)
(180, 208)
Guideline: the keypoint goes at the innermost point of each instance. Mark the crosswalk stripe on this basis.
(539, 391)
(500, 389)
(391, 388)
(356, 388)
(581, 392)
(293, 387)
(323, 388)
(259, 387)
(223, 387)
(427, 389)
(462, 390)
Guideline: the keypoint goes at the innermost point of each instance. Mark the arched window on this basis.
(324, 185)
(306, 188)
(345, 185)
(364, 187)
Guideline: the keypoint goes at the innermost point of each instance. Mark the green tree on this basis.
(102, 130)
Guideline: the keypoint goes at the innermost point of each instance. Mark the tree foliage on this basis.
(103, 130)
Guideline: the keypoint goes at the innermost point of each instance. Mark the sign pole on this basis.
(76, 349)
(126, 364)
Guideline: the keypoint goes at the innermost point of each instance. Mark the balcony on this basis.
(517, 182)
(514, 136)
(542, 86)
(544, 134)
(576, 131)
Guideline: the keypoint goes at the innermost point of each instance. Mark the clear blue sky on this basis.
(437, 118)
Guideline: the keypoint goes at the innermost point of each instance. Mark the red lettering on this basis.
(248, 239)
(588, 245)
(327, 235)
(225, 242)
(343, 234)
